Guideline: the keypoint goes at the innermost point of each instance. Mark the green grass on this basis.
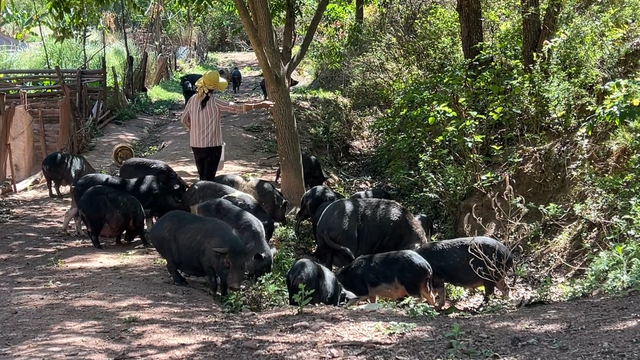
(169, 92)
(68, 55)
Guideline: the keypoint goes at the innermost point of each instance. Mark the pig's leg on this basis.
(49, 187)
(95, 233)
(173, 271)
(57, 184)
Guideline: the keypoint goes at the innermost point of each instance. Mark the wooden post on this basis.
(86, 104)
(43, 141)
(13, 178)
(6, 119)
(104, 83)
(74, 112)
(116, 89)
(161, 69)
(79, 94)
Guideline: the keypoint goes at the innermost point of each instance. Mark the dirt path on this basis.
(63, 299)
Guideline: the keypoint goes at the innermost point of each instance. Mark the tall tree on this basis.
(359, 12)
(531, 29)
(534, 31)
(258, 24)
(470, 17)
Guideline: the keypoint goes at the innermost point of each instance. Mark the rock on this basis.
(319, 325)
(336, 353)
(483, 335)
(251, 344)
(302, 324)
(369, 307)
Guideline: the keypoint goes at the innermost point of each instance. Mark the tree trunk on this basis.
(157, 27)
(359, 12)
(531, 30)
(288, 142)
(470, 17)
(84, 46)
(288, 37)
(44, 45)
(127, 87)
(190, 25)
(549, 23)
(258, 26)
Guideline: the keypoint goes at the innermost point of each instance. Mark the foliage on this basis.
(458, 347)
(330, 123)
(270, 289)
(414, 308)
(303, 297)
(67, 55)
(622, 105)
(395, 328)
(613, 270)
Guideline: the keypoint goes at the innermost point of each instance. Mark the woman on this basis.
(201, 116)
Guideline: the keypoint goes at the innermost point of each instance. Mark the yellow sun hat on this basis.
(211, 80)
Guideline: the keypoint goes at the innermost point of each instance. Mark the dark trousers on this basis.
(236, 83)
(207, 160)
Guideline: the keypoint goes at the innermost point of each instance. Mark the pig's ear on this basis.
(250, 246)
(221, 251)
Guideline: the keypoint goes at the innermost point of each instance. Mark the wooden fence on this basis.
(47, 110)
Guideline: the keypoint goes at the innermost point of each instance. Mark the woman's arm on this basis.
(241, 108)
(186, 118)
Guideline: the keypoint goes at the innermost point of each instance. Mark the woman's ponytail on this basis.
(204, 101)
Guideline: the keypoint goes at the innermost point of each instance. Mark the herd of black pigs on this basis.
(221, 229)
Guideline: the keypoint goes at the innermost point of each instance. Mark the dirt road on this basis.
(63, 299)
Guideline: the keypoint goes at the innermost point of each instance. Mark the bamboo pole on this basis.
(43, 141)
(13, 178)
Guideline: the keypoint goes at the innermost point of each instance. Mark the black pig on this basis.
(156, 198)
(270, 198)
(311, 171)
(139, 167)
(372, 194)
(200, 246)
(326, 288)
(188, 85)
(352, 227)
(263, 86)
(311, 202)
(427, 225)
(248, 228)
(64, 169)
(468, 262)
(108, 213)
(391, 275)
(204, 190)
(250, 204)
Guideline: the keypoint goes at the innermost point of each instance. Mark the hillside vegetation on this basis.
(543, 157)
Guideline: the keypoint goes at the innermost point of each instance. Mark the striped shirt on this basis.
(204, 124)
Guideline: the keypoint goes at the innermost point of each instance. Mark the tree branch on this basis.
(252, 32)
(313, 26)
(289, 27)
